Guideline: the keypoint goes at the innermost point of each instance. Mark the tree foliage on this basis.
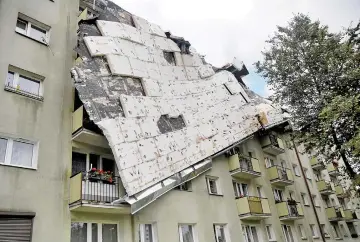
(315, 74)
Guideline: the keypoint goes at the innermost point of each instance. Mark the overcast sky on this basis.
(224, 29)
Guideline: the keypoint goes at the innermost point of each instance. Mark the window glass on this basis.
(78, 232)
(3, 145)
(108, 165)
(220, 233)
(269, 232)
(258, 189)
(109, 233)
(148, 236)
(186, 233)
(28, 85)
(21, 26)
(9, 82)
(22, 153)
(94, 232)
(212, 186)
(38, 33)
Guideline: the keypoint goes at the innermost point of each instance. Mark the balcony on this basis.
(335, 214)
(339, 190)
(289, 210)
(253, 208)
(85, 131)
(325, 188)
(316, 164)
(272, 144)
(332, 170)
(280, 176)
(95, 195)
(244, 167)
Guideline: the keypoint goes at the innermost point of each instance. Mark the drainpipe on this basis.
(309, 192)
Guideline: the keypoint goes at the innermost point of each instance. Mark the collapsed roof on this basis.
(165, 113)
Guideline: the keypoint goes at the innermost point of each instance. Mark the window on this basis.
(94, 232)
(302, 232)
(289, 237)
(213, 185)
(296, 170)
(316, 201)
(147, 233)
(317, 176)
(336, 231)
(187, 233)
(23, 82)
(314, 231)
(324, 231)
(186, 186)
(269, 162)
(250, 233)
(18, 152)
(16, 227)
(307, 173)
(305, 199)
(32, 28)
(240, 189)
(270, 232)
(343, 229)
(278, 195)
(220, 232)
(258, 190)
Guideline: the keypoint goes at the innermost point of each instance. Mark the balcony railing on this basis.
(339, 190)
(272, 144)
(316, 164)
(253, 208)
(280, 175)
(335, 214)
(325, 188)
(289, 210)
(244, 167)
(332, 170)
(91, 190)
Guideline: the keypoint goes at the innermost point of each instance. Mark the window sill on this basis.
(316, 237)
(317, 206)
(307, 205)
(19, 166)
(338, 238)
(22, 93)
(298, 175)
(303, 238)
(46, 44)
(217, 195)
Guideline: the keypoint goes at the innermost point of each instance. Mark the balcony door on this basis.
(250, 233)
(278, 195)
(288, 234)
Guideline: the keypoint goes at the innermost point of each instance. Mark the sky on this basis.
(222, 30)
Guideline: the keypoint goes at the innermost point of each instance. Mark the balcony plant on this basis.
(96, 175)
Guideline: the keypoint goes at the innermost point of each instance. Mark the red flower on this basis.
(93, 169)
(110, 180)
(108, 172)
(101, 171)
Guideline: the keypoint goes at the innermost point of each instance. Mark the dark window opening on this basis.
(167, 124)
(170, 57)
(78, 163)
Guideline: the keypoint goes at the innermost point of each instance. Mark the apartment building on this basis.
(147, 142)
(36, 55)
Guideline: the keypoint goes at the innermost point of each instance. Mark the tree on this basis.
(312, 71)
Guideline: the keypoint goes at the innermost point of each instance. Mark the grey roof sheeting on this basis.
(159, 119)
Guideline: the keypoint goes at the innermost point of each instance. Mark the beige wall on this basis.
(43, 191)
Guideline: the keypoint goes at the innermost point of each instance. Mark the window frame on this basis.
(193, 229)
(269, 162)
(17, 73)
(224, 227)
(343, 230)
(29, 22)
(324, 231)
(9, 151)
(314, 231)
(278, 193)
(217, 185)
(307, 174)
(142, 232)
(239, 192)
(305, 199)
(302, 231)
(184, 187)
(296, 170)
(99, 230)
(269, 230)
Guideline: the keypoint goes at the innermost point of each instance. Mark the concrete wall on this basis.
(44, 190)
